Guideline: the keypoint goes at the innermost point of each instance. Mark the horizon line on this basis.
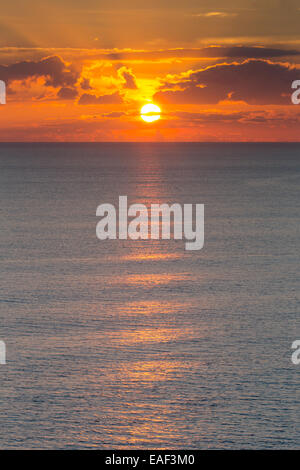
(153, 142)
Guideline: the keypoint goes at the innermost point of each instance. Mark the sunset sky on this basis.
(81, 70)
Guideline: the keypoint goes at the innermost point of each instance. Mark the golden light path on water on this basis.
(152, 355)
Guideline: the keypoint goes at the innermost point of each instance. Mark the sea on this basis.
(141, 344)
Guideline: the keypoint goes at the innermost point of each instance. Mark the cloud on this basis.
(122, 55)
(247, 52)
(114, 98)
(216, 14)
(241, 117)
(67, 93)
(200, 52)
(127, 77)
(56, 72)
(256, 82)
(114, 115)
(208, 117)
(85, 84)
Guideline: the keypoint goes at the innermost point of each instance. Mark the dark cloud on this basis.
(114, 115)
(257, 82)
(244, 52)
(128, 78)
(114, 98)
(56, 72)
(242, 117)
(211, 52)
(67, 93)
(208, 117)
(85, 84)
(247, 52)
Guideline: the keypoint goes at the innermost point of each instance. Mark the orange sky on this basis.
(81, 71)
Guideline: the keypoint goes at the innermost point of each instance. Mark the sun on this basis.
(150, 112)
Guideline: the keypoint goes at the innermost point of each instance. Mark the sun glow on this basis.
(150, 112)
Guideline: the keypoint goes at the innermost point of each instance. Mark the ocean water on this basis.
(141, 344)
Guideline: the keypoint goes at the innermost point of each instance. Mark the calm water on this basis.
(141, 344)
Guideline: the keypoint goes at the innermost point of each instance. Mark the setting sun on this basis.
(150, 112)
